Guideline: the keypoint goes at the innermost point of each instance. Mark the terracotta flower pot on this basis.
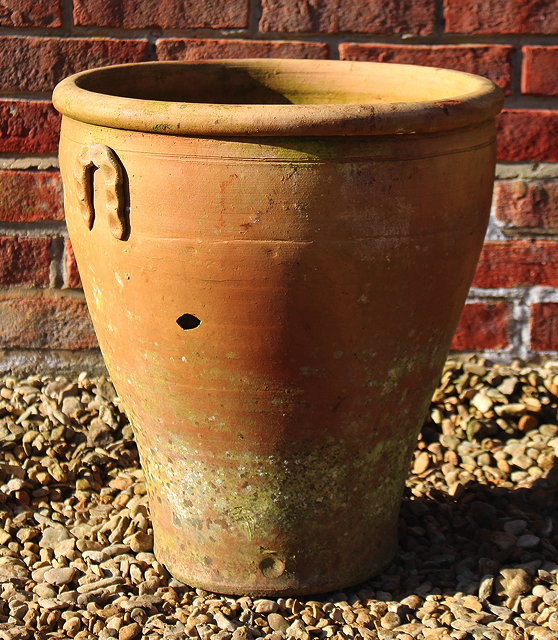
(275, 254)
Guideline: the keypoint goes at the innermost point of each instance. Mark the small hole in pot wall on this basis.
(188, 321)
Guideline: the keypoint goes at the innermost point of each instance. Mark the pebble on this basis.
(514, 582)
(140, 541)
(129, 631)
(297, 630)
(52, 536)
(390, 620)
(277, 622)
(59, 577)
(265, 606)
(422, 462)
(223, 622)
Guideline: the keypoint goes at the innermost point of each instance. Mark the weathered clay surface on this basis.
(275, 321)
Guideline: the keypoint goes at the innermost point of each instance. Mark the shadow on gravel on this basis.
(448, 546)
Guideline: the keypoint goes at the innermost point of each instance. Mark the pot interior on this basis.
(278, 82)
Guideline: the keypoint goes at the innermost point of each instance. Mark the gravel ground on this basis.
(478, 551)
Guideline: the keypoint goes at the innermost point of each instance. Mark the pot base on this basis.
(290, 590)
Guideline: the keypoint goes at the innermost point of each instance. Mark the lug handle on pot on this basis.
(104, 159)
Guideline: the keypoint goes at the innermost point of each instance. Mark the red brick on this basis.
(501, 16)
(166, 14)
(492, 61)
(361, 16)
(28, 196)
(197, 49)
(72, 278)
(24, 261)
(45, 323)
(539, 73)
(518, 263)
(37, 64)
(28, 127)
(30, 13)
(528, 135)
(544, 326)
(529, 204)
(482, 326)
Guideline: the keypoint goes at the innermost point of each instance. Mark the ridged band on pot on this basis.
(276, 315)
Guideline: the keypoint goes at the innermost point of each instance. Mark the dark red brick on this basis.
(30, 13)
(361, 16)
(482, 326)
(528, 135)
(501, 16)
(28, 127)
(528, 204)
(166, 14)
(24, 261)
(37, 64)
(198, 49)
(28, 196)
(45, 323)
(544, 326)
(72, 278)
(491, 61)
(539, 73)
(518, 263)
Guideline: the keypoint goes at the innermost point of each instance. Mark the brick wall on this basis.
(513, 305)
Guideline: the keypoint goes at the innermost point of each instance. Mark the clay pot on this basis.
(275, 255)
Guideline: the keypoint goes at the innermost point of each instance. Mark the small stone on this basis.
(100, 584)
(474, 368)
(52, 536)
(277, 622)
(390, 620)
(527, 423)
(129, 631)
(72, 626)
(551, 598)
(99, 434)
(507, 386)
(528, 541)
(504, 613)
(64, 548)
(422, 462)
(482, 402)
(514, 582)
(51, 603)
(532, 404)
(44, 590)
(242, 633)
(485, 587)
(512, 409)
(265, 606)
(140, 542)
(60, 576)
(473, 603)
(223, 622)
(298, 631)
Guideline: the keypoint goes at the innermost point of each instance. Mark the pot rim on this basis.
(473, 100)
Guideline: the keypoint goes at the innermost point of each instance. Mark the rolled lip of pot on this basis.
(277, 97)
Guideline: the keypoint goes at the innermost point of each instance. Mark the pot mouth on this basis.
(277, 97)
